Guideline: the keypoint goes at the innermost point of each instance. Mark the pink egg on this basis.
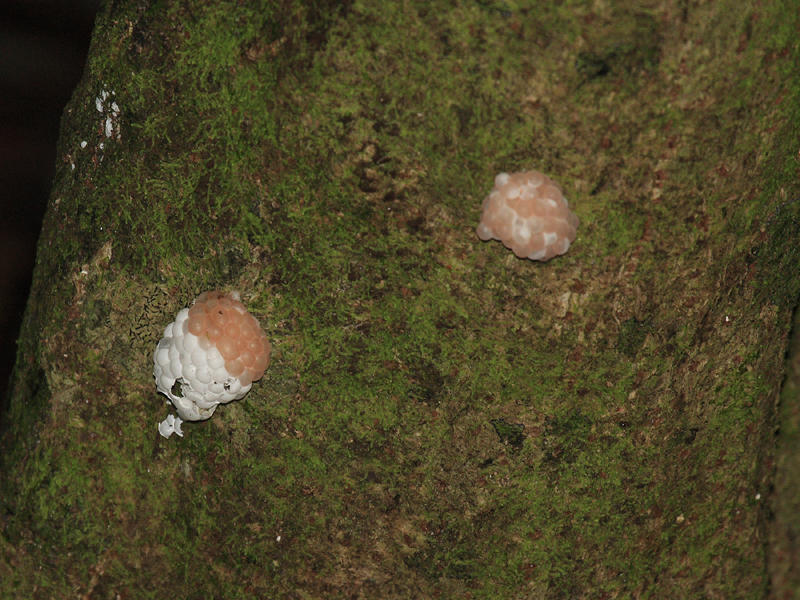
(234, 367)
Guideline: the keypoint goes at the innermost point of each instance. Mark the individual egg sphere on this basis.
(247, 359)
(203, 374)
(234, 367)
(214, 358)
(227, 347)
(199, 357)
(197, 324)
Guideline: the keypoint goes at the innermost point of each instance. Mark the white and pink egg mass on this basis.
(209, 355)
(528, 212)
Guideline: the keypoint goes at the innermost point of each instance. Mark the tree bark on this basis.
(440, 419)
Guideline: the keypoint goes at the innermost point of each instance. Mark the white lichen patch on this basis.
(108, 128)
(106, 104)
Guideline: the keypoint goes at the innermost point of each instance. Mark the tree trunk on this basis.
(440, 418)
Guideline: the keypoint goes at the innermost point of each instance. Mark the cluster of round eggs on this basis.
(529, 214)
(208, 356)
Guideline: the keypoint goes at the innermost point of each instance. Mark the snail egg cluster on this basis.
(209, 355)
(528, 213)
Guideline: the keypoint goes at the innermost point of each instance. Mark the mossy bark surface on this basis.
(440, 419)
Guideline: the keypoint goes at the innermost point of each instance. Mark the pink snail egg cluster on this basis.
(527, 211)
(209, 355)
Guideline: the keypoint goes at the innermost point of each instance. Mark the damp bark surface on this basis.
(440, 418)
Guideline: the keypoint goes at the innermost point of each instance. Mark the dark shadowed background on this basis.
(43, 45)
